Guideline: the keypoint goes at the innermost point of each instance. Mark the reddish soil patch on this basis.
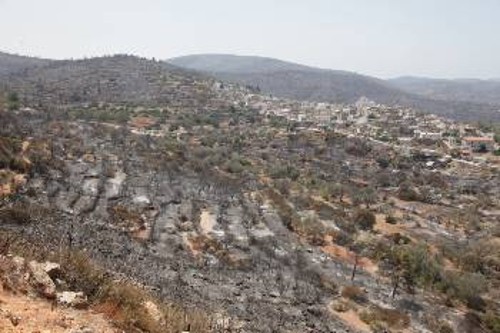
(387, 228)
(20, 313)
(143, 122)
(344, 254)
(351, 319)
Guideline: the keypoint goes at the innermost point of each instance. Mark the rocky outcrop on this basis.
(41, 280)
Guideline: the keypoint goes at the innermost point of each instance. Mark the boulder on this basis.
(52, 269)
(153, 311)
(141, 200)
(15, 274)
(73, 299)
(40, 280)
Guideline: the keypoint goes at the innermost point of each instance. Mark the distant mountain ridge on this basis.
(236, 64)
(290, 80)
(469, 90)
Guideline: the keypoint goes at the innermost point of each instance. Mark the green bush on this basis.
(366, 196)
(420, 266)
(466, 287)
(285, 171)
(383, 162)
(234, 166)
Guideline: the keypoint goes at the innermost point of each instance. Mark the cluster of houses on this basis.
(479, 143)
(367, 118)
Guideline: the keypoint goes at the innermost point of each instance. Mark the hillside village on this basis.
(392, 125)
(371, 120)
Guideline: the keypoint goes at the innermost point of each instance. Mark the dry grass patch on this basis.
(354, 293)
(134, 310)
(351, 318)
(378, 317)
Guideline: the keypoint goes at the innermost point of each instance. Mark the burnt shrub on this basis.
(407, 192)
(358, 147)
(18, 214)
(378, 317)
(80, 273)
(383, 162)
(283, 186)
(391, 219)
(364, 219)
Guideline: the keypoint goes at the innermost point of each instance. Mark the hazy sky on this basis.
(385, 38)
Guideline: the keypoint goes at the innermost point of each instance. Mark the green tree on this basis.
(13, 101)
(413, 265)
